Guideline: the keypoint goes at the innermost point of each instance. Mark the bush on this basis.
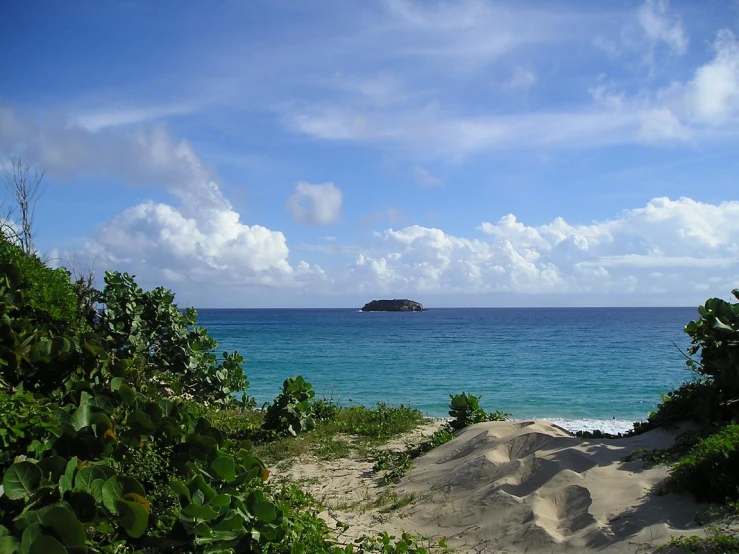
(381, 422)
(26, 425)
(716, 337)
(51, 300)
(290, 413)
(465, 409)
(147, 328)
(709, 470)
(691, 401)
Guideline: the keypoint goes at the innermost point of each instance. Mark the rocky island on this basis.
(396, 305)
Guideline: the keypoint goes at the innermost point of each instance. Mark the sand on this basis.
(513, 487)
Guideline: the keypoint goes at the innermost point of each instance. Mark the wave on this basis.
(612, 426)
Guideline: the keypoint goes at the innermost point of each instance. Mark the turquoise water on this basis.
(595, 367)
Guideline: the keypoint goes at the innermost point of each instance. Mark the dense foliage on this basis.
(120, 432)
(49, 298)
(291, 412)
(709, 469)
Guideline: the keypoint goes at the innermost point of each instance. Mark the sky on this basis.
(323, 154)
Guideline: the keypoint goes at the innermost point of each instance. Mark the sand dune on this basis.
(514, 487)
(532, 487)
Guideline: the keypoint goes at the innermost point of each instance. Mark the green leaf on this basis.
(134, 517)
(81, 417)
(30, 534)
(721, 326)
(181, 491)
(118, 485)
(265, 511)
(225, 468)
(141, 422)
(8, 545)
(87, 476)
(230, 523)
(128, 395)
(21, 480)
(47, 545)
(204, 513)
(96, 490)
(60, 345)
(66, 526)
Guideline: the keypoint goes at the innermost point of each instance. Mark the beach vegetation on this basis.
(125, 432)
(709, 469)
(465, 410)
(718, 540)
(290, 413)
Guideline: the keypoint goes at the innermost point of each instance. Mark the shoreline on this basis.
(572, 425)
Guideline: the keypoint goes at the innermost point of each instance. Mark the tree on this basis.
(23, 182)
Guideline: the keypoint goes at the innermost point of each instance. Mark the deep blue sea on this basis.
(581, 367)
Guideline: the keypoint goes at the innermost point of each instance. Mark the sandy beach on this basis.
(513, 487)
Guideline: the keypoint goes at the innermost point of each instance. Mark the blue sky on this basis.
(462, 153)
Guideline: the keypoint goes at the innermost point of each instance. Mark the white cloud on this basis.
(522, 78)
(691, 240)
(713, 94)
(199, 238)
(115, 116)
(315, 204)
(424, 178)
(659, 27)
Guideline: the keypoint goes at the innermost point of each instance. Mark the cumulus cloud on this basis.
(713, 93)
(315, 204)
(691, 241)
(198, 238)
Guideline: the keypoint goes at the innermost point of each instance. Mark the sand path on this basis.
(513, 487)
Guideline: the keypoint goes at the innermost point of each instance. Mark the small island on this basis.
(402, 305)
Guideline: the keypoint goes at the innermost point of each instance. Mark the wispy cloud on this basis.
(522, 78)
(115, 116)
(425, 179)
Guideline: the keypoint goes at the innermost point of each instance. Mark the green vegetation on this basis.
(290, 413)
(709, 469)
(120, 430)
(716, 541)
(465, 410)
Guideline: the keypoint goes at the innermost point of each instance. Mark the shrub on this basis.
(51, 300)
(381, 422)
(716, 337)
(290, 413)
(465, 409)
(709, 470)
(146, 327)
(324, 409)
(26, 426)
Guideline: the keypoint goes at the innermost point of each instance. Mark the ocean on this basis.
(584, 368)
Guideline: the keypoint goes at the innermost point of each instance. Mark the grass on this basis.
(393, 465)
(716, 541)
(340, 431)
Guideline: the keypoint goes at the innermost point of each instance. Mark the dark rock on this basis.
(403, 305)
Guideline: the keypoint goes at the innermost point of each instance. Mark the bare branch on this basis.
(23, 182)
